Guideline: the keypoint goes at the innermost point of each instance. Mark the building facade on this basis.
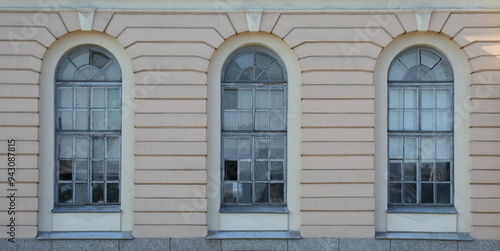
(233, 125)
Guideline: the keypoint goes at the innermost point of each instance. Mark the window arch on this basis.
(254, 128)
(420, 129)
(88, 128)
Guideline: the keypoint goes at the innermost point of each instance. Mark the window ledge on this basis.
(423, 236)
(84, 236)
(221, 235)
(87, 209)
(422, 210)
(254, 209)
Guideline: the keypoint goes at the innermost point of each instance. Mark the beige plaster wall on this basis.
(170, 54)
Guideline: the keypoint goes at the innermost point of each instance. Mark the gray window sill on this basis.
(87, 209)
(84, 236)
(221, 235)
(423, 236)
(254, 209)
(422, 210)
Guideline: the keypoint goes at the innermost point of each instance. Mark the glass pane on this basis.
(66, 119)
(98, 170)
(245, 121)
(80, 57)
(277, 120)
(98, 97)
(410, 120)
(230, 120)
(114, 120)
(98, 148)
(65, 147)
(428, 98)
(245, 193)
(229, 148)
(66, 71)
(397, 71)
(411, 148)
(81, 193)
(395, 98)
(428, 120)
(277, 99)
(230, 192)
(443, 72)
(66, 97)
(262, 120)
(428, 148)
(232, 72)
(277, 148)
(443, 171)
(262, 148)
(97, 193)
(261, 173)
(82, 120)
(230, 170)
(262, 99)
(261, 193)
(411, 98)
(244, 148)
(65, 170)
(410, 171)
(113, 72)
(444, 121)
(245, 98)
(230, 99)
(395, 193)
(65, 193)
(409, 59)
(428, 59)
(113, 190)
(99, 59)
(113, 170)
(114, 99)
(245, 171)
(275, 72)
(410, 193)
(395, 171)
(443, 193)
(395, 120)
(98, 120)
(82, 97)
(263, 59)
(81, 168)
(427, 171)
(443, 148)
(276, 170)
(245, 59)
(427, 193)
(113, 147)
(396, 147)
(443, 99)
(277, 193)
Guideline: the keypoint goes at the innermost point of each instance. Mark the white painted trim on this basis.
(46, 130)
(290, 60)
(462, 77)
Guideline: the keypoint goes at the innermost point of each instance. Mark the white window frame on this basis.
(430, 221)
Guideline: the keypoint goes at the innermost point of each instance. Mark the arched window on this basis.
(254, 128)
(420, 129)
(88, 127)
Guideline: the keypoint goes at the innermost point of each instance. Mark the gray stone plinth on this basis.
(317, 244)
(254, 244)
(364, 244)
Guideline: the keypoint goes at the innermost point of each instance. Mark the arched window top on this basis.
(88, 63)
(254, 64)
(420, 64)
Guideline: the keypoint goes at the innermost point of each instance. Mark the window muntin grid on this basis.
(88, 129)
(420, 129)
(254, 112)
